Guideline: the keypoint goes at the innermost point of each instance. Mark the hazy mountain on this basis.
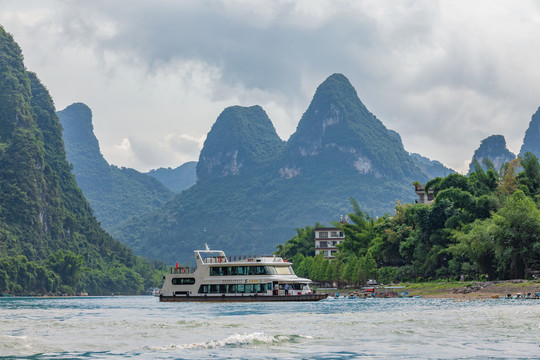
(177, 179)
(42, 211)
(114, 193)
(253, 189)
(531, 141)
(432, 168)
(492, 148)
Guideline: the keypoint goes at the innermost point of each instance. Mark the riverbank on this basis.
(463, 290)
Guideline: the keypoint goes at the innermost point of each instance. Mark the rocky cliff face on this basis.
(531, 141)
(494, 149)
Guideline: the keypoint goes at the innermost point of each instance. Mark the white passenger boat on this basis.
(218, 278)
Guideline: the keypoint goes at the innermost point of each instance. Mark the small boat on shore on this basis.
(246, 279)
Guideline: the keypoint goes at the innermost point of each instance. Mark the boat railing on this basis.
(248, 258)
(254, 258)
(183, 270)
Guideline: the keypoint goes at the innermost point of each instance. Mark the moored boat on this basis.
(218, 278)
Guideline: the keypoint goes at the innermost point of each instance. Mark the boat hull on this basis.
(247, 298)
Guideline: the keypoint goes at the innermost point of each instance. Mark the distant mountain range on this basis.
(494, 147)
(253, 189)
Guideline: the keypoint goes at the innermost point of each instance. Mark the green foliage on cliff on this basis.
(49, 239)
(475, 226)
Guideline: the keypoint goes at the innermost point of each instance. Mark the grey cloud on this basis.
(456, 72)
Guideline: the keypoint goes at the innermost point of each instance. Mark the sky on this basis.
(156, 74)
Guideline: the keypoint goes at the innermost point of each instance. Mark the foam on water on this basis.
(236, 340)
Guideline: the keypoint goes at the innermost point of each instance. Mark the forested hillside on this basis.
(114, 193)
(478, 226)
(49, 239)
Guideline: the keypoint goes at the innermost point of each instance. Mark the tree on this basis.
(477, 245)
(529, 179)
(517, 235)
(508, 184)
(67, 265)
(359, 233)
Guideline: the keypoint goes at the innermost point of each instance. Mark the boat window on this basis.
(282, 270)
(214, 289)
(241, 270)
(203, 289)
(183, 281)
(240, 288)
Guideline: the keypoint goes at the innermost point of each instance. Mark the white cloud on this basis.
(445, 75)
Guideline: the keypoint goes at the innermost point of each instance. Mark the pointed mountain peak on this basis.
(77, 122)
(494, 149)
(339, 128)
(82, 146)
(531, 141)
(241, 137)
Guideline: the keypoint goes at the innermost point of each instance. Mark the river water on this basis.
(140, 327)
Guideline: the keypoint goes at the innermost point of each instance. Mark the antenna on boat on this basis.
(207, 247)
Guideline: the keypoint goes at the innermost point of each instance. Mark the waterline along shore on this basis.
(459, 290)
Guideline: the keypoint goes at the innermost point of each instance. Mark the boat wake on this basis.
(234, 341)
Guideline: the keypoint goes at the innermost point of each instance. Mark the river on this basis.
(140, 327)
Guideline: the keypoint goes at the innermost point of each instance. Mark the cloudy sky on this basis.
(156, 74)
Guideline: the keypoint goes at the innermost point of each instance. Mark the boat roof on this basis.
(208, 256)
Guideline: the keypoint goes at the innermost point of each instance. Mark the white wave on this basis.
(236, 340)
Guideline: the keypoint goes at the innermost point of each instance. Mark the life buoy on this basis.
(183, 270)
(219, 260)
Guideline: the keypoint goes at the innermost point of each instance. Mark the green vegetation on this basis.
(477, 225)
(50, 241)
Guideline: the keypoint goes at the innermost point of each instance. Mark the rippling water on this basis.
(143, 328)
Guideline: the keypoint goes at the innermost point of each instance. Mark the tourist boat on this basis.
(220, 279)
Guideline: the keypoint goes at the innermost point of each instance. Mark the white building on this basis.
(326, 241)
(423, 197)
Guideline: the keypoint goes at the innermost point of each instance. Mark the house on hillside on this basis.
(423, 197)
(326, 241)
